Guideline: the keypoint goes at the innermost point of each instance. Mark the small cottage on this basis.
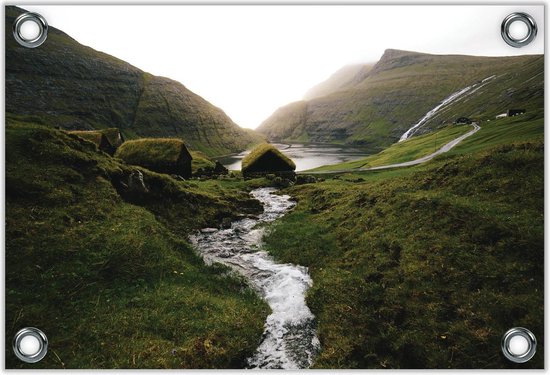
(264, 159)
(107, 140)
(463, 120)
(162, 155)
(114, 136)
(515, 112)
(96, 137)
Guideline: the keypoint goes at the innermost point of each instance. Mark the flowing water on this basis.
(448, 100)
(289, 340)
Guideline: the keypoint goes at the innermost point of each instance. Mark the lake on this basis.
(306, 156)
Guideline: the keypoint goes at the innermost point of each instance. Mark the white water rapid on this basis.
(289, 340)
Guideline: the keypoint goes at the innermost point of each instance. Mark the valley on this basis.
(403, 228)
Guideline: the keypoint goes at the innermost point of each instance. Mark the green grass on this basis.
(151, 151)
(259, 151)
(423, 267)
(526, 127)
(411, 149)
(200, 160)
(89, 135)
(375, 109)
(88, 89)
(164, 155)
(109, 275)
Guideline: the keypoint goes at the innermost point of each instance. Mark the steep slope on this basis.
(63, 83)
(103, 266)
(342, 79)
(425, 267)
(401, 88)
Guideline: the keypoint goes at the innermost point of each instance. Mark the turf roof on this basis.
(152, 151)
(89, 135)
(255, 155)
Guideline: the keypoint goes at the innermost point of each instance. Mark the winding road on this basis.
(447, 147)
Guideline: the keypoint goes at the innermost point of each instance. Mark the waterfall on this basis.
(448, 100)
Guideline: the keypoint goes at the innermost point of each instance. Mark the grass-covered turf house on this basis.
(163, 155)
(114, 136)
(107, 140)
(265, 158)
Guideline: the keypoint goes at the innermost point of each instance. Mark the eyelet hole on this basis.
(30, 30)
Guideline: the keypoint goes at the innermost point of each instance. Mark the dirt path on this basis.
(421, 160)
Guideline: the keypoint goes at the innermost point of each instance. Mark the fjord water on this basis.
(306, 156)
(289, 340)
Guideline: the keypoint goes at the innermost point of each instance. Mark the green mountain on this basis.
(341, 80)
(65, 84)
(101, 262)
(378, 105)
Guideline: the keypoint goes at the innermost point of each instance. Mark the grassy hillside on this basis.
(75, 87)
(343, 79)
(427, 266)
(400, 89)
(102, 264)
(526, 127)
(410, 149)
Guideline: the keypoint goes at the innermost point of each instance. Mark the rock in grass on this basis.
(226, 223)
(305, 179)
(136, 185)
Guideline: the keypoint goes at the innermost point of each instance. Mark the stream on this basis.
(289, 340)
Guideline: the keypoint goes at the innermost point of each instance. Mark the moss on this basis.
(73, 85)
(94, 136)
(424, 267)
(200, 160)
(164, 155)
(254, 161)
(88, 265)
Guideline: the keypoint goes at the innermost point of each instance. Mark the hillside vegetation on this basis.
(379, 105)
(410, 149)
(427, 266)
(75, 87)
(102, 265)
(418, 267)
(344, 78)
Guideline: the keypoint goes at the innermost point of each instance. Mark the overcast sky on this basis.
(250, 60)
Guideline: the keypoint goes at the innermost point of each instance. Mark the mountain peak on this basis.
(395, 58)
(397, 53)
(75, 87)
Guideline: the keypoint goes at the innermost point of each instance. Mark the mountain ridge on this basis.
(400, 89)
(73, 86)
(340, 80)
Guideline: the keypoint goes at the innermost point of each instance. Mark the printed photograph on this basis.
(274, 187)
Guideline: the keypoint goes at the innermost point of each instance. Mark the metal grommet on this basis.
(519, 345)
(42, 27)
(30, 345)
(531, 29)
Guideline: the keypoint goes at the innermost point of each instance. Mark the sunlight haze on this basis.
(250, 60)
